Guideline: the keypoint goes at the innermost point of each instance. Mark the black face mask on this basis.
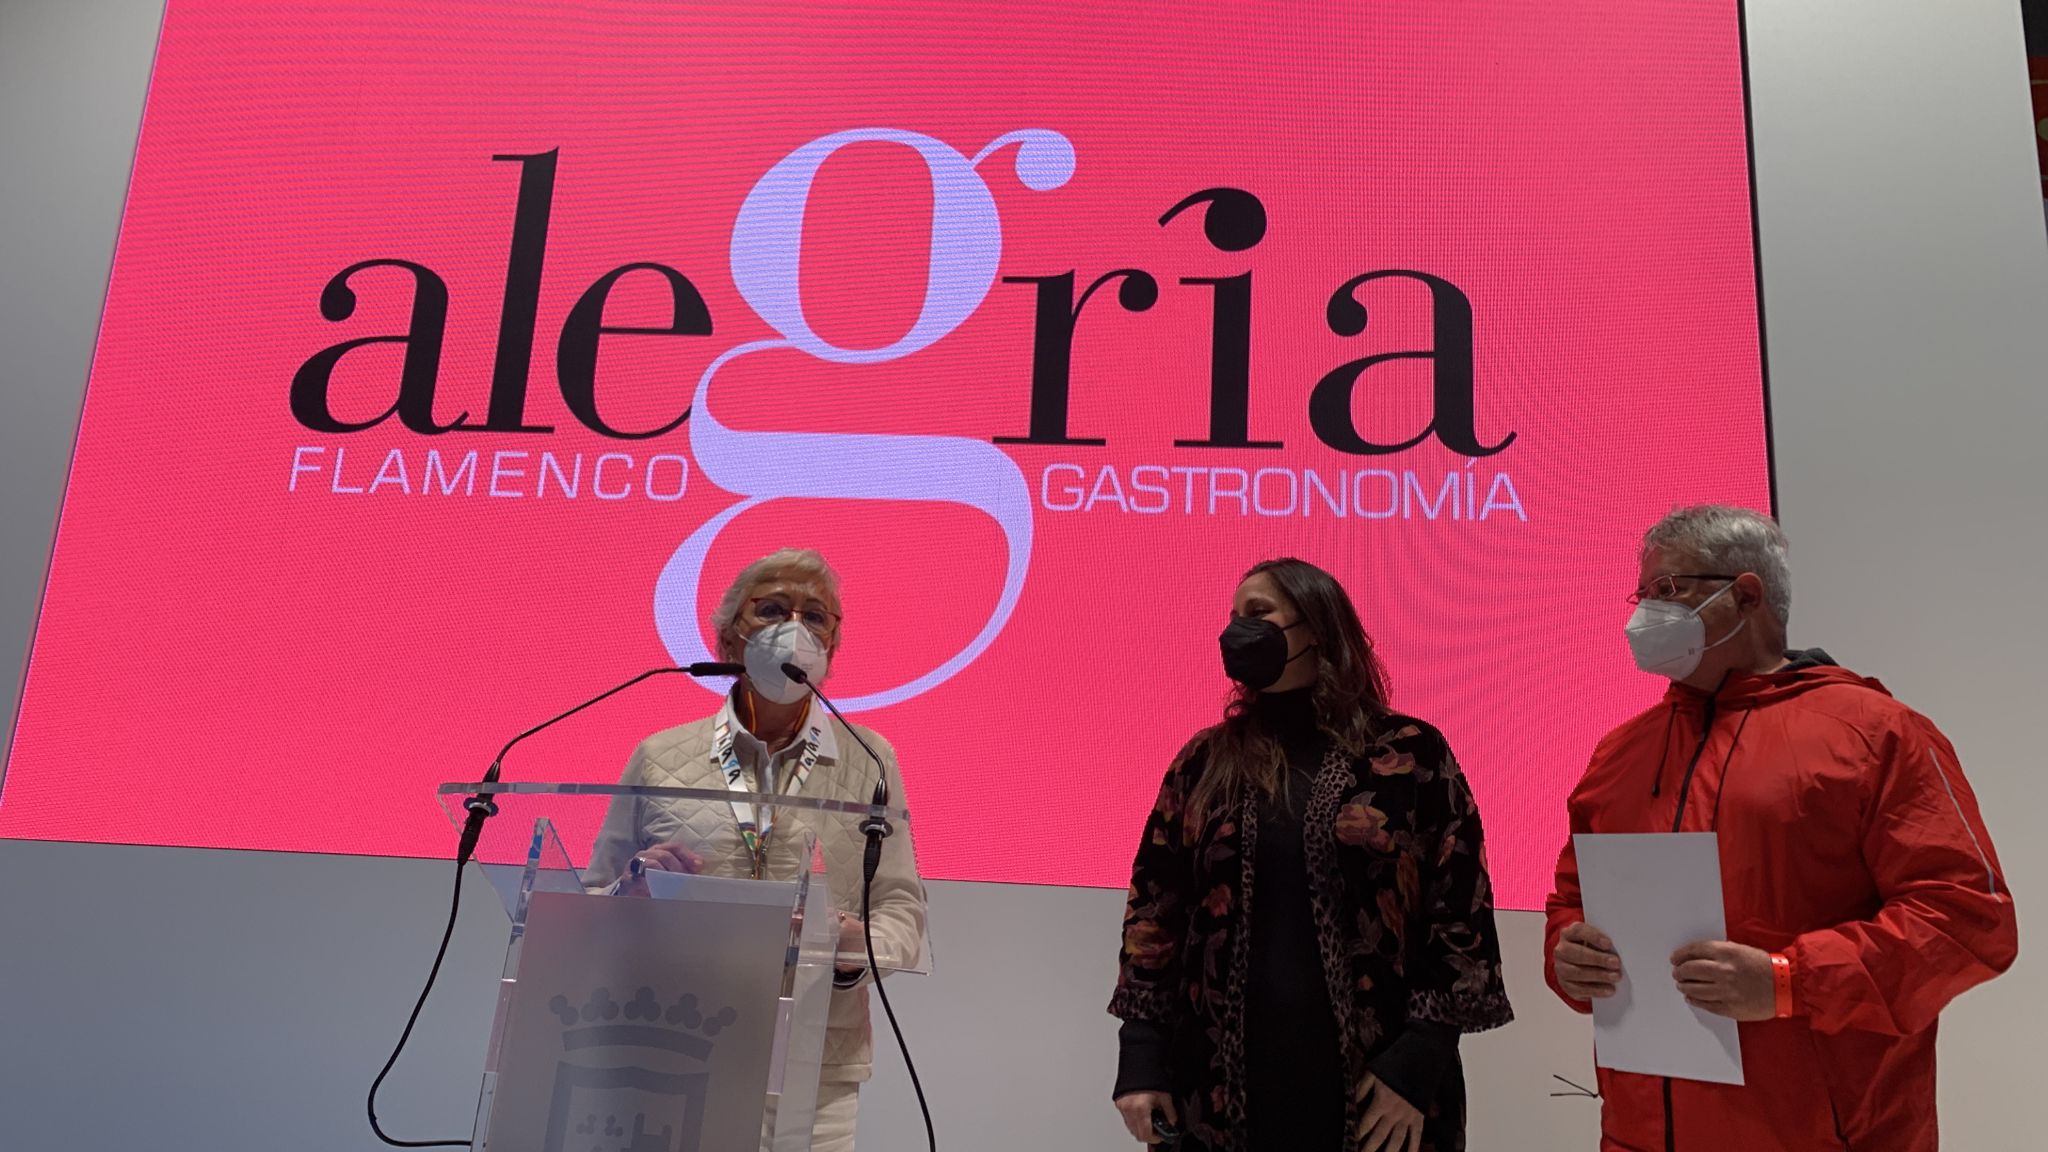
(1255, 651)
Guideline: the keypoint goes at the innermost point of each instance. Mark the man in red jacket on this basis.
(1861, 887)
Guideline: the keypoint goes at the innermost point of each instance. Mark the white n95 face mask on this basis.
(786, 643)
(1669, 639)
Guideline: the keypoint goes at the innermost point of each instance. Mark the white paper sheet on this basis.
(1652, 895)
(718, 889)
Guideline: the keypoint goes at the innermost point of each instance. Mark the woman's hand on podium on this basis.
(669, 857)
(853, 940)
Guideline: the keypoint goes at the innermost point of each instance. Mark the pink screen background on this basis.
(218, 628)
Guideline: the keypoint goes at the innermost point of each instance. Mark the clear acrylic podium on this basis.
(669, 1013)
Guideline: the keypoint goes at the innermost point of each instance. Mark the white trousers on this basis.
(837, 1116)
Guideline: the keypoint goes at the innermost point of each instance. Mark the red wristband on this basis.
(1781, 983)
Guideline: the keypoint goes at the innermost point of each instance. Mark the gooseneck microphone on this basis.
(482, 807)
(876, 828)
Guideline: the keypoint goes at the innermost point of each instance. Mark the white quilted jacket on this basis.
(681, 758)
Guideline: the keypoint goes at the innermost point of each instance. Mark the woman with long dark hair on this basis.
(1310, 922)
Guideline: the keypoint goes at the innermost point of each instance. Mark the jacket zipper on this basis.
(1684, 794)
(1670, 1129)
(1685, 783)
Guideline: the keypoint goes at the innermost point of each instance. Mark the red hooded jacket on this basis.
(1849, 841)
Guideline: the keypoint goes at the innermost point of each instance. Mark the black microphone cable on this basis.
(482, 807)
(875, 826)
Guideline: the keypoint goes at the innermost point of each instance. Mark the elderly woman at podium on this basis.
(771, 736)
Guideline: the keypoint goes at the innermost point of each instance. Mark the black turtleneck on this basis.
(1290, 718)
(1294, 1069)
(1286, 964)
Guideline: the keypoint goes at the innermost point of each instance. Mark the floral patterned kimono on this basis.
(1402, 915)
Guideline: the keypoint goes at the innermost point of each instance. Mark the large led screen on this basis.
(457, 355)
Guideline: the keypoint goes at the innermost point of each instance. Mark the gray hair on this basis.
(800, 562)
(1719, 538)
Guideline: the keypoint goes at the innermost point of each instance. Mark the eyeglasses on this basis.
(1666, 587)
(769, 611)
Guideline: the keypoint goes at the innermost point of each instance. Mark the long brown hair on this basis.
(1350, 694)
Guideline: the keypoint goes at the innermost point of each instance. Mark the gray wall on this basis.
(227, 1000)
(1906, 295)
